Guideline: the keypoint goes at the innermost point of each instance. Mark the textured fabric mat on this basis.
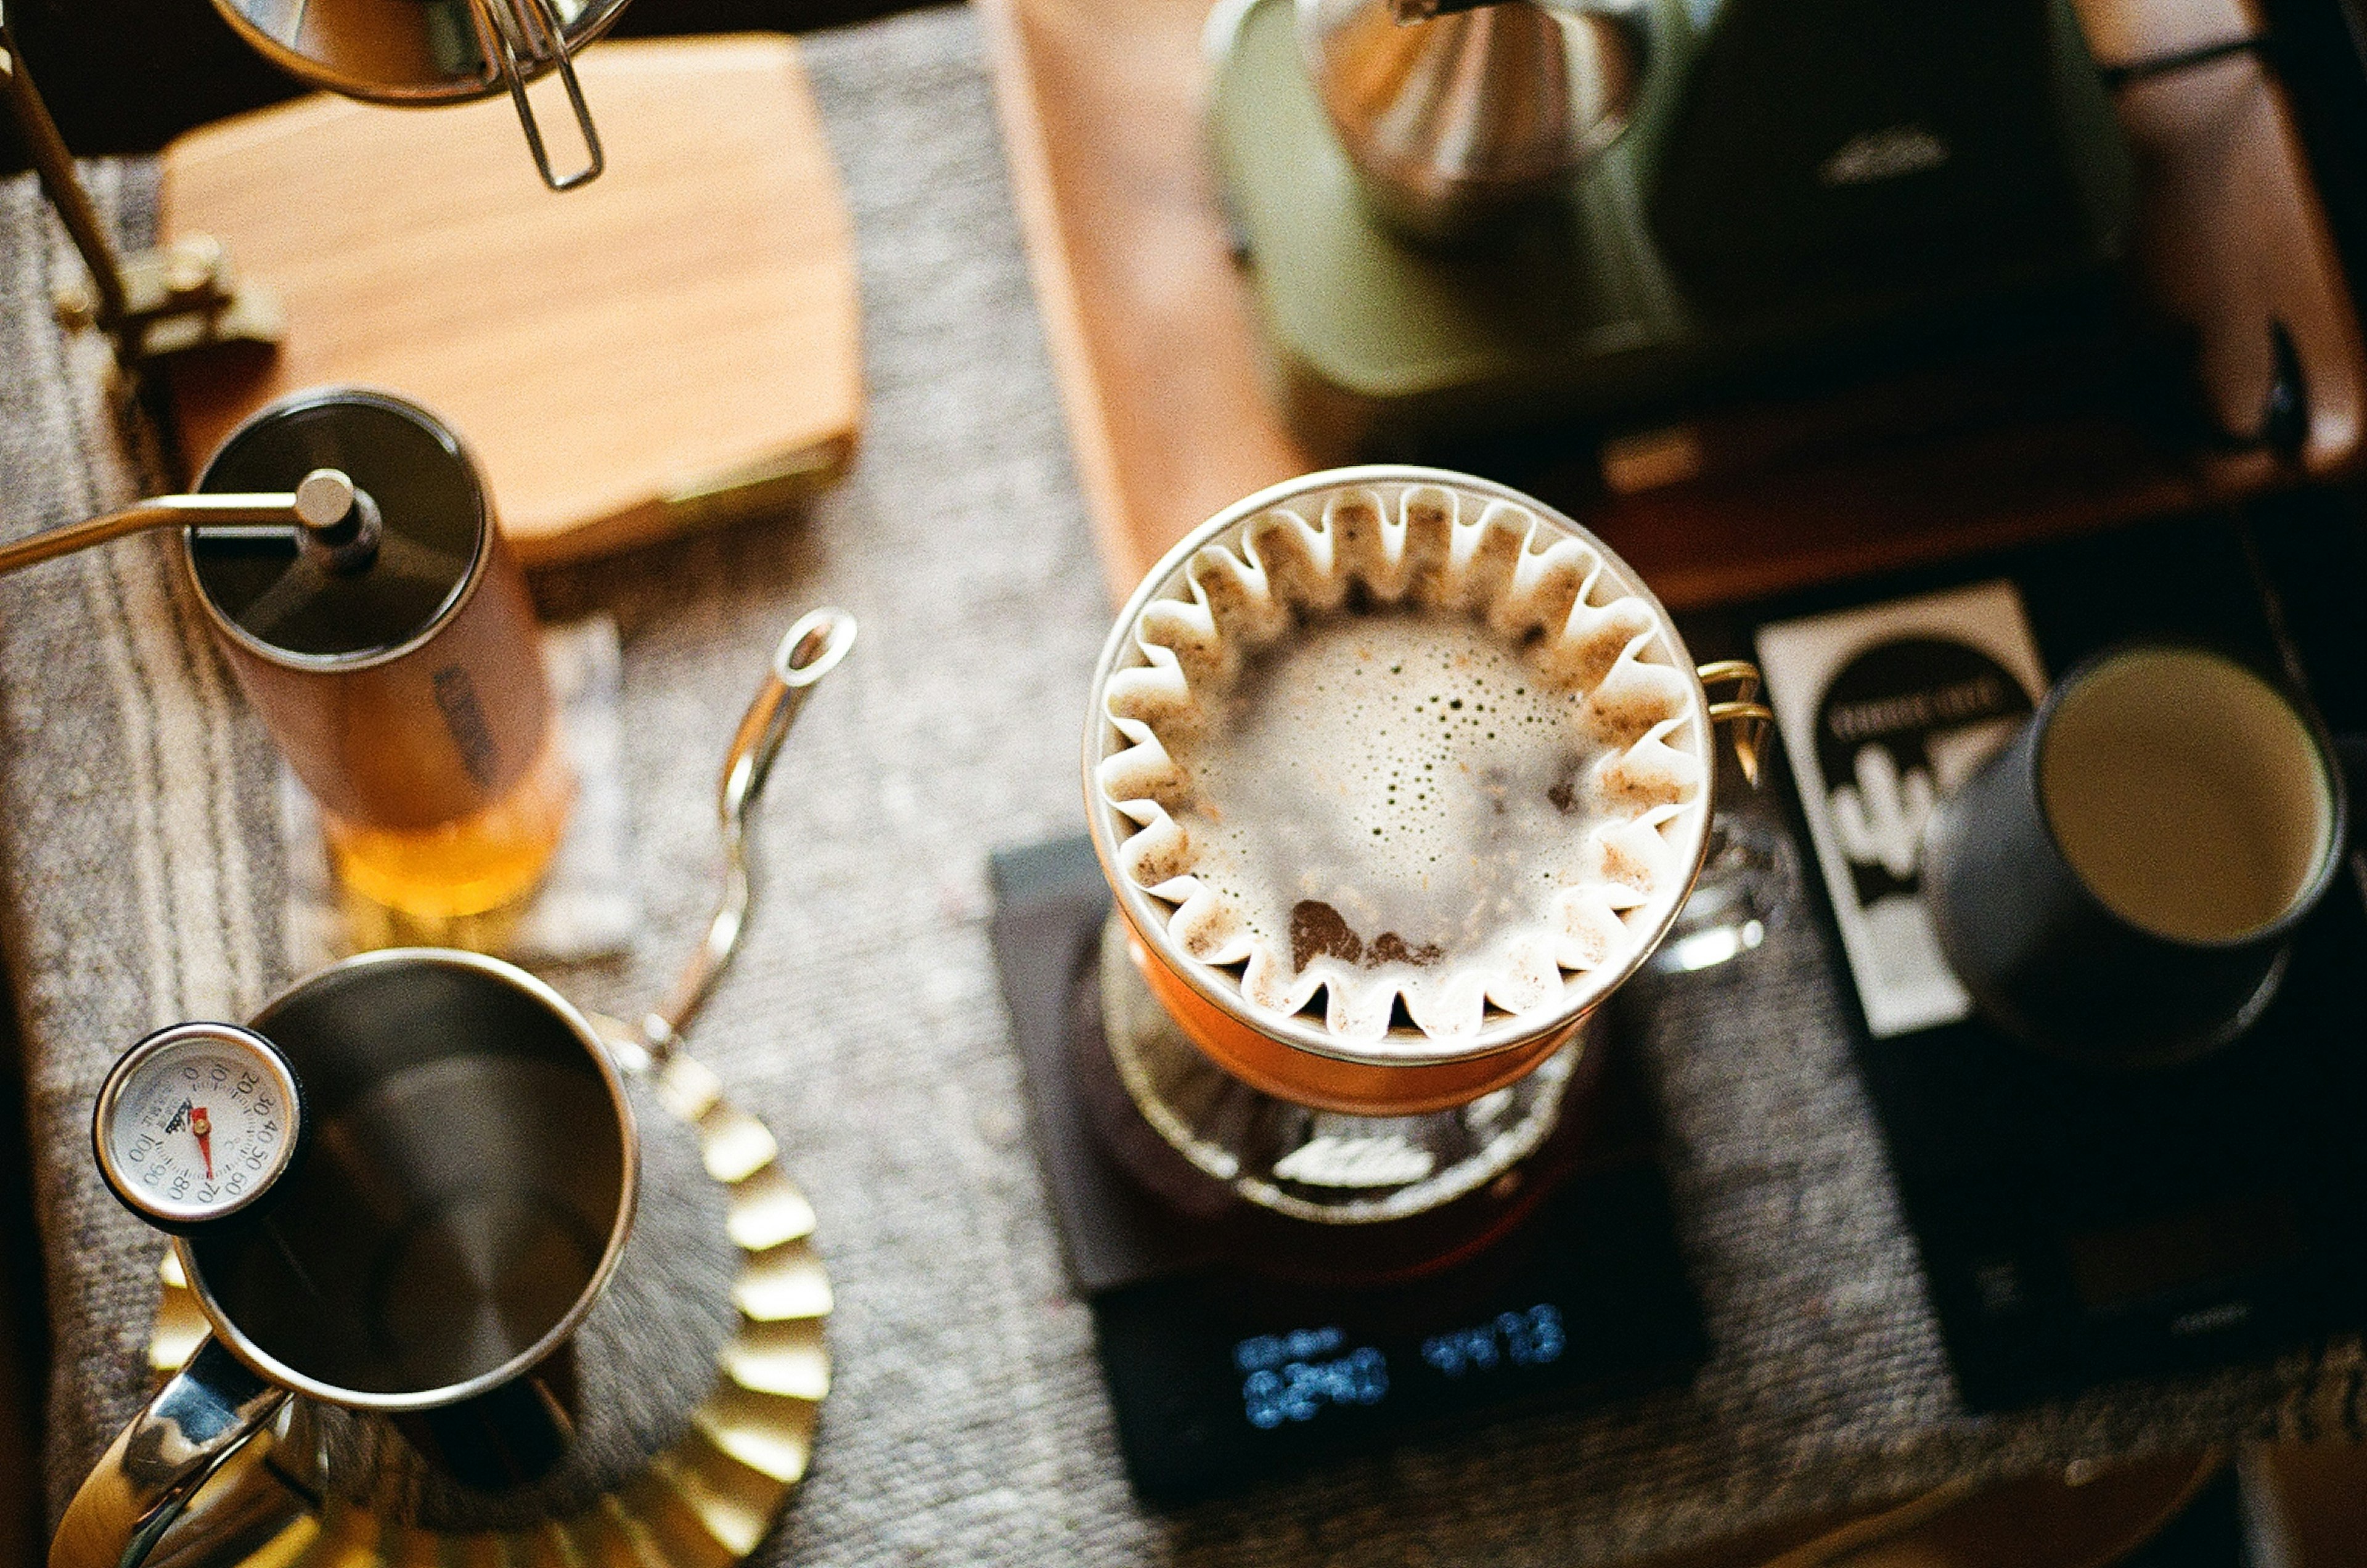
(967, 1423)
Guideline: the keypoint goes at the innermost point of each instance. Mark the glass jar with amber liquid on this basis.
(399, 667)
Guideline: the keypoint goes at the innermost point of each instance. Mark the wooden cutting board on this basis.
(674, 344)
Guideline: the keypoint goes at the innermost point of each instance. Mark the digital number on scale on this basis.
(1294, 1377)
(1528, 1338)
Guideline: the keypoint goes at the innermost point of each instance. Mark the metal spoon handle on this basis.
(813, 648)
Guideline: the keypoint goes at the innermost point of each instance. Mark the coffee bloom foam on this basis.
(1404, 754)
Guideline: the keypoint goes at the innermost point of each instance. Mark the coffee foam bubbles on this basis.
(1422, 748)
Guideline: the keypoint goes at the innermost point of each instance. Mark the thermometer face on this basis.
(196, 1124)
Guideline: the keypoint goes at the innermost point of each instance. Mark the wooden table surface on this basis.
(1151, 322)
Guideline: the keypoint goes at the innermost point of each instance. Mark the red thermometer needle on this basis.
(202, 1125)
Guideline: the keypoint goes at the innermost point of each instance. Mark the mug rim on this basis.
(2307, 897)
(266, 1366)
(1297, 1033)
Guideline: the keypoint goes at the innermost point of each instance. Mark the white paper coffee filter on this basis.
(1409, 744)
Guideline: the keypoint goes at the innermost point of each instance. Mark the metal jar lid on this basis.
(301, 607)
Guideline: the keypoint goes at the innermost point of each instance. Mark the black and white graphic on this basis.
(1884, 711)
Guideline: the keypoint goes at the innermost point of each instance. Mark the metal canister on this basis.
(403, 681)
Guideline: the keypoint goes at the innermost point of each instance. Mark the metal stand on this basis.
(155, 305)
(714, 1490)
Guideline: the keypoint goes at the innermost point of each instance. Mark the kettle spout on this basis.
(812, 649)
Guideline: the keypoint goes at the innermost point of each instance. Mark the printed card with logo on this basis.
(1884, 709)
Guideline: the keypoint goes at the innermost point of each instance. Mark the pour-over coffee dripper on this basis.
(1221, 1103)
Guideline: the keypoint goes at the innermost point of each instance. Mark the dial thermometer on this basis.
(197, 1124)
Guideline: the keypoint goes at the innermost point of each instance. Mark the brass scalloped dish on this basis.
(705, 1502)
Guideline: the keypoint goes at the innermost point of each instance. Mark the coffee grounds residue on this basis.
(1391, 948)
(1317, 930)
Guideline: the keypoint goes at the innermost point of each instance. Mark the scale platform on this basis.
(2079, 1225)
(1221, 1374)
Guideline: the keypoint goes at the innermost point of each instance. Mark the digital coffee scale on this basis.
(2076, 1226)
(1219, 1375)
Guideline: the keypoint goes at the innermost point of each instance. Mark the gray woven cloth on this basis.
(967, 1423)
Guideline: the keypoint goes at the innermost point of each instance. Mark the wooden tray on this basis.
(1153, 337)
(676, 342)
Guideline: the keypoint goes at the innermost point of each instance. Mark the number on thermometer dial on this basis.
(196, 1124)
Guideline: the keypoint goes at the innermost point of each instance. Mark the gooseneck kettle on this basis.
(1453, 112)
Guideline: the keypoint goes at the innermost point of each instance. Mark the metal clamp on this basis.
(178, 299)
(813, 647)
(1744, 711)
(508, 27)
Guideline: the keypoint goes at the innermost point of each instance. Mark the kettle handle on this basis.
(307, 513)
(505, 26)
(158, 1462)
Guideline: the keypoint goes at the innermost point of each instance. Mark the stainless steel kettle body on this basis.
(436, 51)
(1453, 113)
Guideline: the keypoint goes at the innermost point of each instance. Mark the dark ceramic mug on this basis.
(2120, 883)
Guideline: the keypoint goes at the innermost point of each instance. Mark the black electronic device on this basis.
(2081, 1224)
(1947, 154)
(1221, 1374)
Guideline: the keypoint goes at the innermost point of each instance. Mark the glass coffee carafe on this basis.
(1255, 1084)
